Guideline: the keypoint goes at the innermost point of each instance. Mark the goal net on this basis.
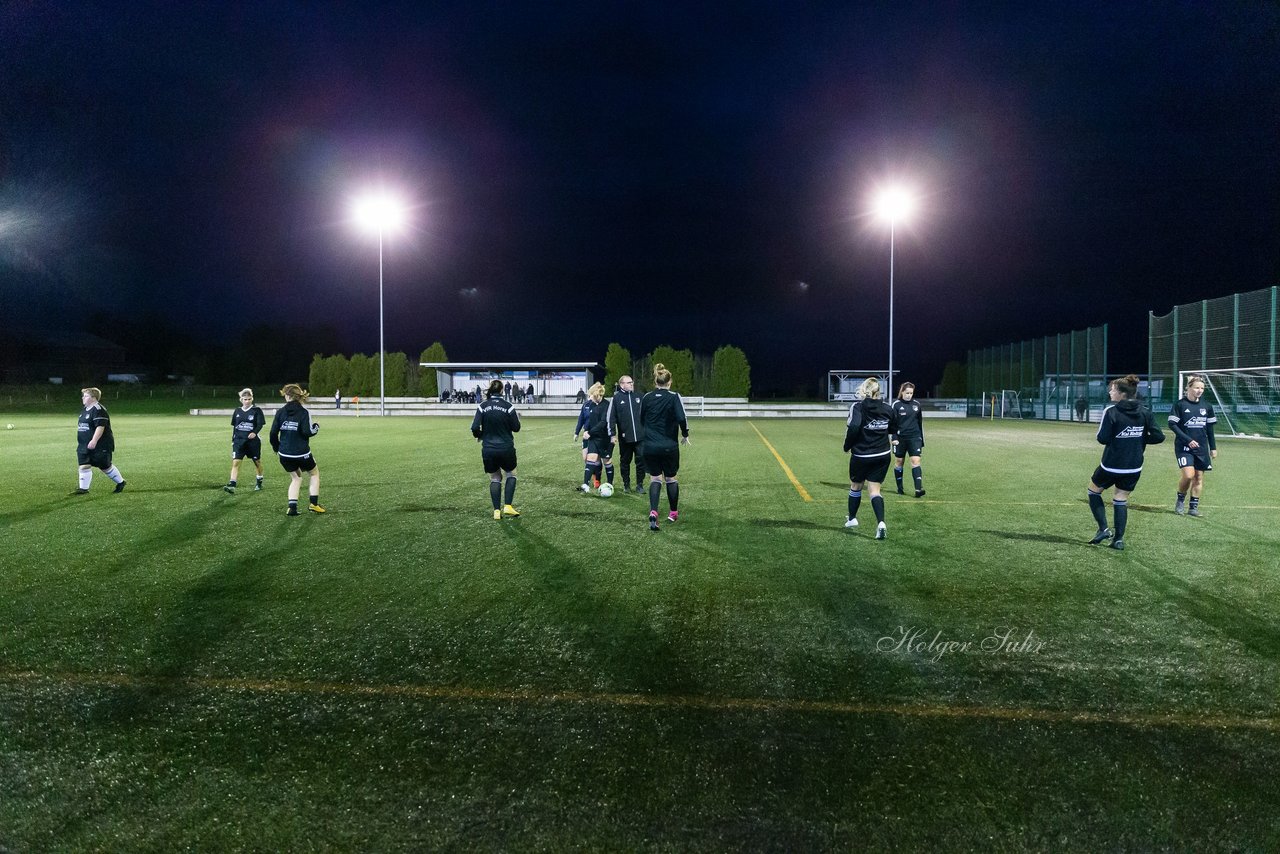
(1246, 400)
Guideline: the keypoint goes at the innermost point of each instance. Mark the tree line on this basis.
(724, 374)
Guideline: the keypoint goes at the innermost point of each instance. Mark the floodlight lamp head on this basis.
(379, 212)
(895, 204)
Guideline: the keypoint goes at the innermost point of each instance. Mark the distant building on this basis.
(75, 357)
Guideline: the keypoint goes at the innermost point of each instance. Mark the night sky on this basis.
(650, 173)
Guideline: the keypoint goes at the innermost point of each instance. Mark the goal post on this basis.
(1004, 403)
(1245, 400)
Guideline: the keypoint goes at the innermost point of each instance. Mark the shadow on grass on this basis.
(205, 614)
(630, 653)
(791, 524)
(13, 517)
(424, 508)
(1038, 538)
(1258, 634)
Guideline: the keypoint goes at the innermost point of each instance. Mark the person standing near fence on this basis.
(1125, 429)
(624, 423)
(866, 439)
(95, 443)
(662, 420)
(246, 430)
(495, 424)
(1191, 421)
(291, 432)
(909, 440)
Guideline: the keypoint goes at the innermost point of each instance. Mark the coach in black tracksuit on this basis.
(626, 427)
(494, 426)
(1126, 429)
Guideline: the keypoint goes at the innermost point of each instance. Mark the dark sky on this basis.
(651, 173)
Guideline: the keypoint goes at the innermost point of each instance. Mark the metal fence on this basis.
(1237, 331)
(1058, 378)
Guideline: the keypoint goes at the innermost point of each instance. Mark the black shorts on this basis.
(292, 464)
(873, 469)
(1104, 479)
(499, 460)
(251, 448)
(99, 458)
(1199, 459)
(601, 447)
(662, 463)
(909, 446)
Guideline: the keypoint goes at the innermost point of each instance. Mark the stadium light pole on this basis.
(380, 212)
(893, 205)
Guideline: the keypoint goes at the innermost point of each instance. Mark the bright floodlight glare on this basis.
(377, 213)
(895, 204)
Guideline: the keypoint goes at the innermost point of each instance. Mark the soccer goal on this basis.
(1246, 400)
(1005, 403)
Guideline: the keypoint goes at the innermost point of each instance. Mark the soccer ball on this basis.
(8, 426)
(606, 489)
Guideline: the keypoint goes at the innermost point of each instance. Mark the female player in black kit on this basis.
(662, 414)
(866, 438)
(909, 441)
(246, 441)
(495, 422)
(1126, 429)
(291, 432)
(1192, 423)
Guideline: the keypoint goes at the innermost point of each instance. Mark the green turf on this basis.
(181, 668)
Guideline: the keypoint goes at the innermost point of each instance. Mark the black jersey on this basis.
(91, 419)
(291, 431)
(598, 423)
(1193, 421)
(244, 422)
(624, 417)
(584, 416)
(1126, 429)
(662, 418)
(868, 427)
(910, 418)
(495, 422)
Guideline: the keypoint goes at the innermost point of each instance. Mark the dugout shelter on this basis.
(550, 380)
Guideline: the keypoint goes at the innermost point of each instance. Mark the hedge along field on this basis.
(183, 667)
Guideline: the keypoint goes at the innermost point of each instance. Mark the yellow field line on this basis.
(459, 693)
(785, 468)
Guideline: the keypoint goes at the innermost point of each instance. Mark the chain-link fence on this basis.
(1229, 338)
(1058, 378)
(1237, 331)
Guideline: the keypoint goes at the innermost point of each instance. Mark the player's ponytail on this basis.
(296, 392)
(1127, 385)
(661, 376)
(870, 388)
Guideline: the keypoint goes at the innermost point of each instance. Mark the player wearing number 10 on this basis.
(1192, 420)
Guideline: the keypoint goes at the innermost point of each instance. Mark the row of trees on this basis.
(359, 375)
(725, 374)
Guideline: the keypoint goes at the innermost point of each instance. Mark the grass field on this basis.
(181, 668)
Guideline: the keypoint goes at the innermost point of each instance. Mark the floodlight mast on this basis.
(893, 204)
(379, 213)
